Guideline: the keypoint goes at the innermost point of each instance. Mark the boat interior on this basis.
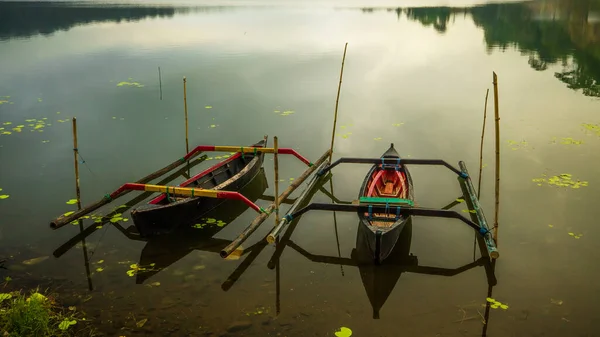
(384, 185)
(211, 177)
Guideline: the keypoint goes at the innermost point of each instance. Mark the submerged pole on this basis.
(187, 146)
(337, 100)
(481, 147)
(75, 155)
(276, 168)
(160, 83)
(497, 115)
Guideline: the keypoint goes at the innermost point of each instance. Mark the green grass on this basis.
(34, 314)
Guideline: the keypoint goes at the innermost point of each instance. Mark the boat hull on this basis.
(163, 215)
(380, 234)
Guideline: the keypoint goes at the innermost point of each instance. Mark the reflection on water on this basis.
(551, 32)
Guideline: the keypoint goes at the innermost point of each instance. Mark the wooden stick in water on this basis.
(481, 147)
(276, 164)
(497, 114)
(75, 157)
(187, 147)
(160, 83)
(337, 100)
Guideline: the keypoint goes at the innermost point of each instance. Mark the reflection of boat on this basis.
(165, 213)
(388, 184)
(164, 250)
(379, 280)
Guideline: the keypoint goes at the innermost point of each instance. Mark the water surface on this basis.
(414, 76)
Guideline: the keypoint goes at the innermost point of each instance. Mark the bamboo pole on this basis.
(481, 147)
(75, 155)
(276, 167)
(497, 115)
(262, 217)
(86, 261)
(337, 100)
(160, 83)
(187, 147)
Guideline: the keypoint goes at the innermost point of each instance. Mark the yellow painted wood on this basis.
(185, 191)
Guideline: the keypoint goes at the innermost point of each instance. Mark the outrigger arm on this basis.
(391, 162)
(399, 211)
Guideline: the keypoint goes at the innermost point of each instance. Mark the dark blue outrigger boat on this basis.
(386, 203)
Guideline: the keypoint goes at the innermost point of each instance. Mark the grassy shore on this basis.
(37, 314)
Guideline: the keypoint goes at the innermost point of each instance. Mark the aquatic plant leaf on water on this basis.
(208, 107)
(36, 260)
(4, 196)
(141, 323)
(570, 141)
(66, 324)
(72, 202)
(99, 269)
(378, 138)
(397, 124)
(343, 332)
(561, 180)
(37, 297)
(130, 84)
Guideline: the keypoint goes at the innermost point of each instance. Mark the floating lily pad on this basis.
(64, 325)
(343, 332)
(130, 84)
(561, 180)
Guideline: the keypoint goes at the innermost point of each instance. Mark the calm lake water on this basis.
(414, 76)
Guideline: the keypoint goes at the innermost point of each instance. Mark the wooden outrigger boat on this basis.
(384, 184)
(166, 213)
(386, 202)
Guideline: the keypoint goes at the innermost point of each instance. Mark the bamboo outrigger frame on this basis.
(142, 184)
(481, 227)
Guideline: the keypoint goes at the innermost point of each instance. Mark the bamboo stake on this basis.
(276, 164)
(497, 114)
(481, 147)
(337, 100)
(75, 155)
(65, 219)
(160, 83)
(78, 191)
(187, 147)
(262, 217)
